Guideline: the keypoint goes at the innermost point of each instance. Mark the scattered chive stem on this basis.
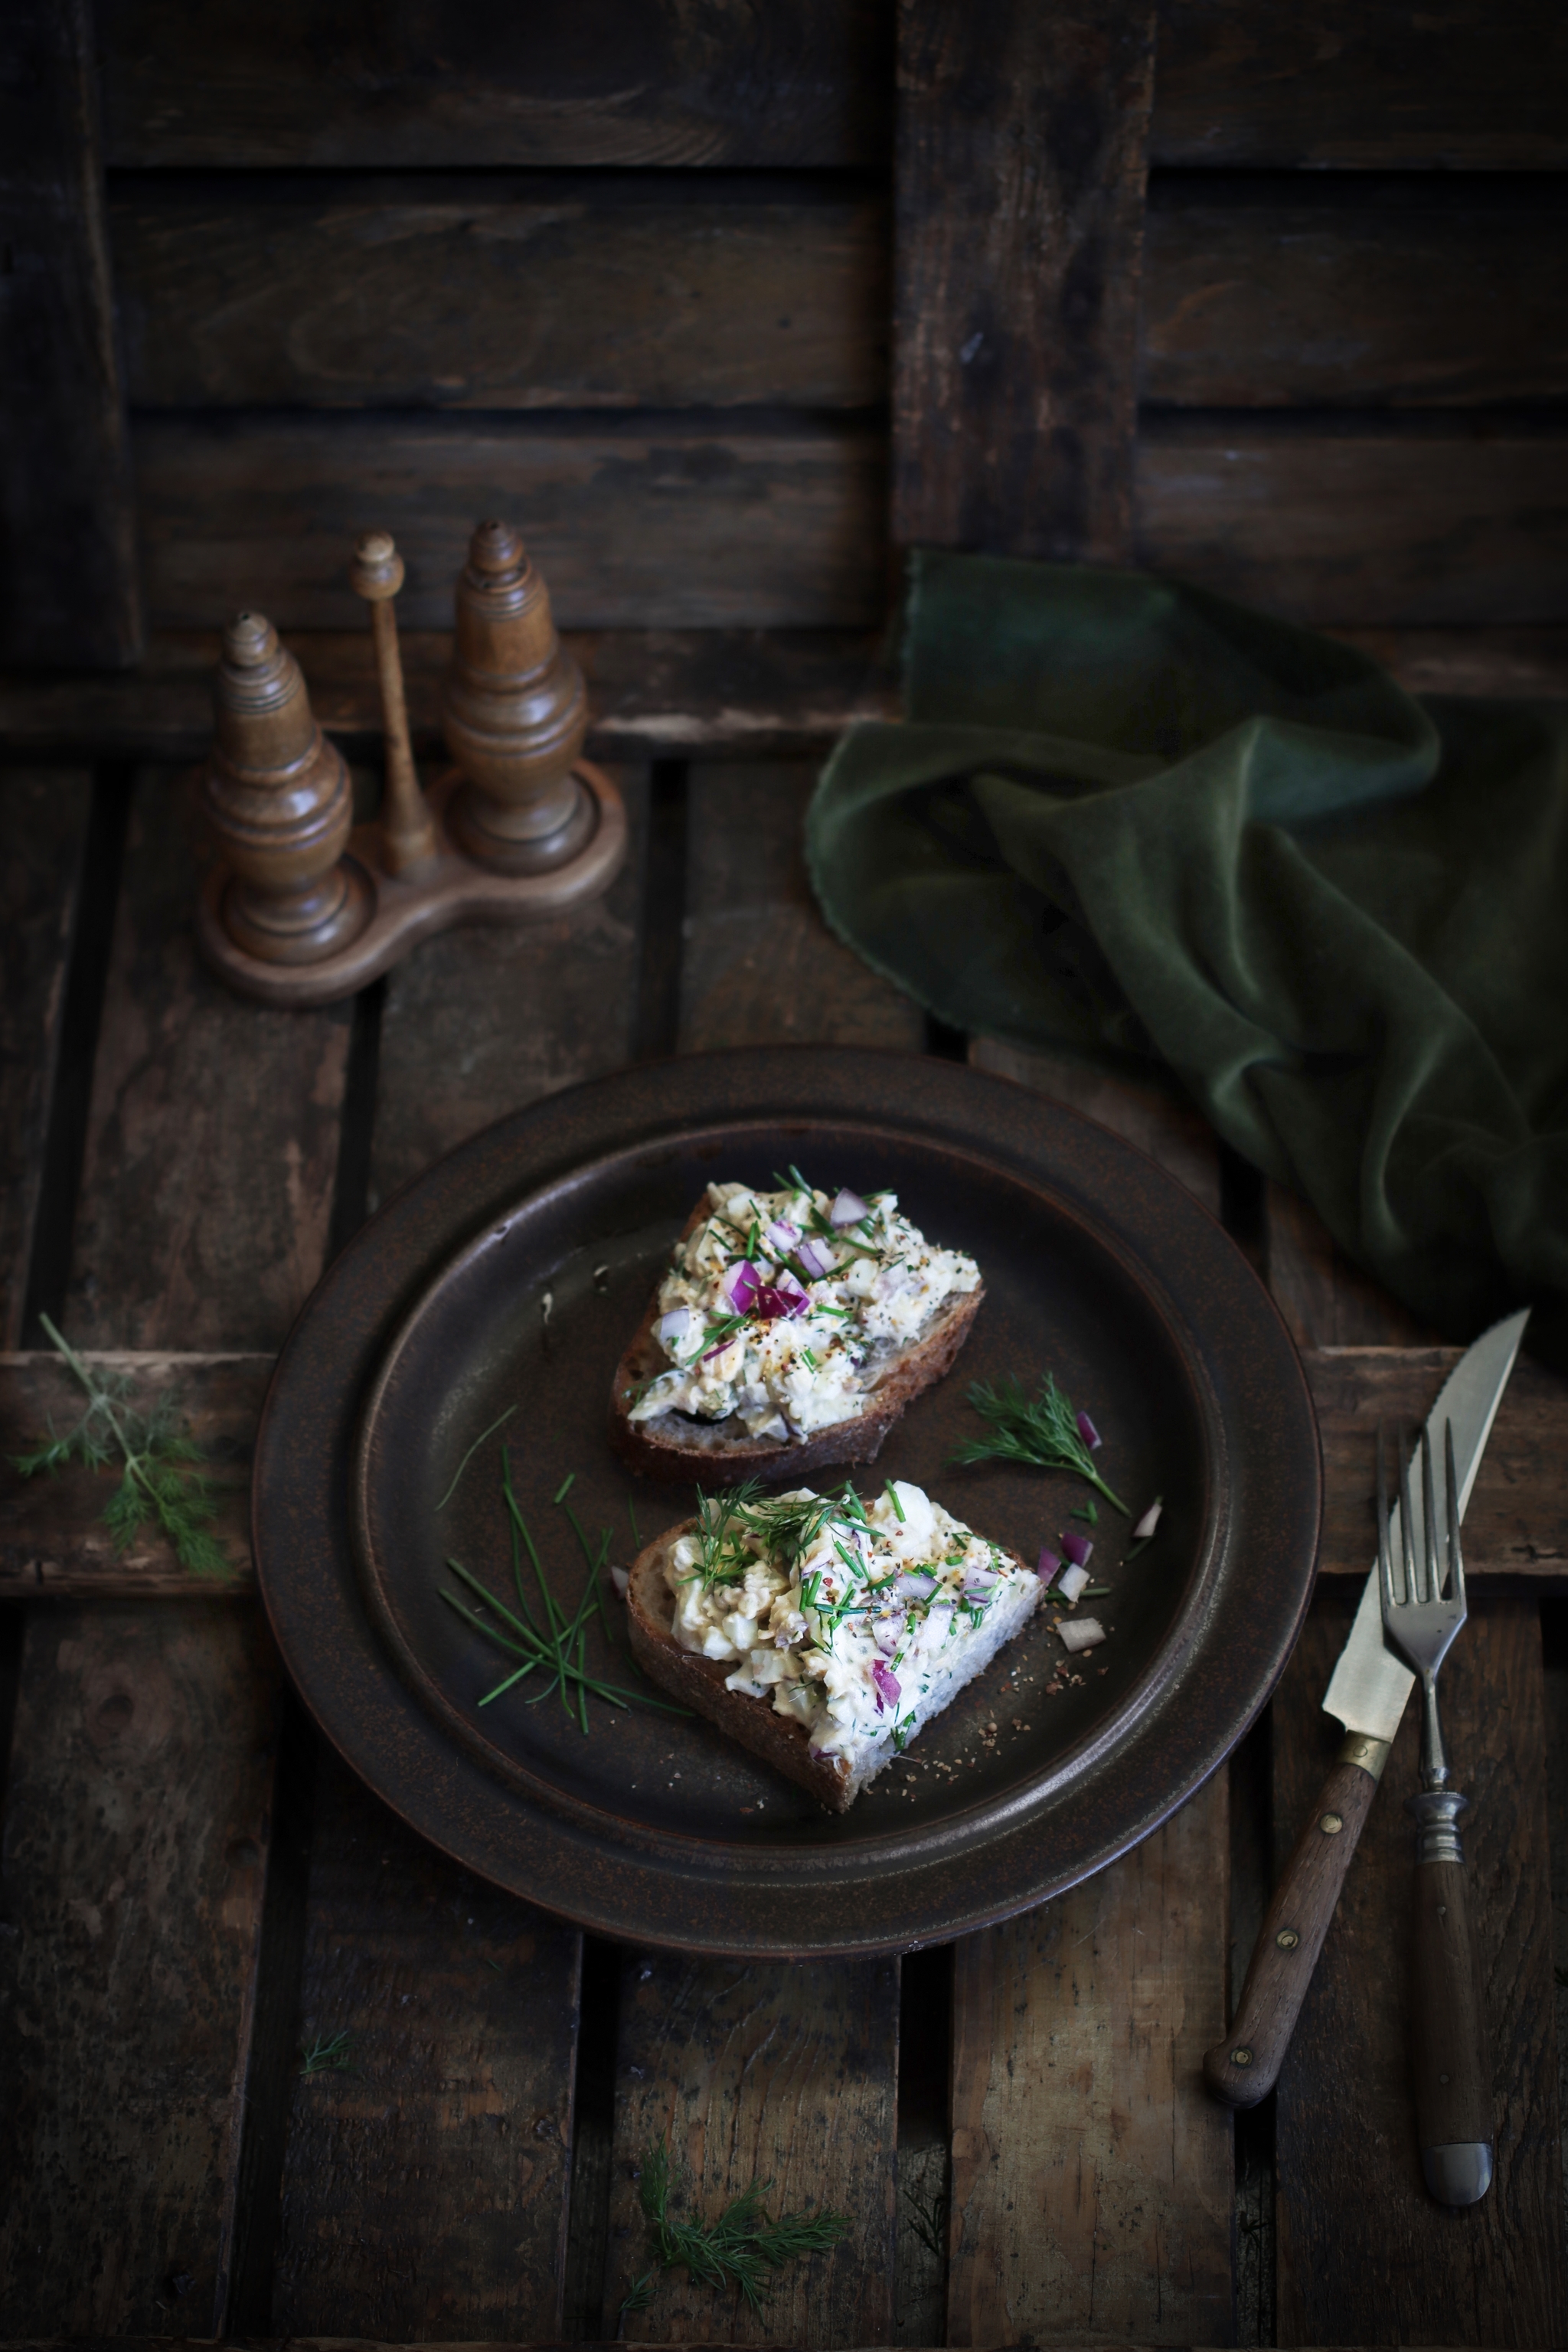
(1043, 1430)
(500, 1420)
(565, 1487)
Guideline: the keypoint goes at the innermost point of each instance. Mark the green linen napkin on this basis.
(1149, 826)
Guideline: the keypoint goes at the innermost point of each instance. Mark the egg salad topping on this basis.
(780, 1307)
(844, 1611)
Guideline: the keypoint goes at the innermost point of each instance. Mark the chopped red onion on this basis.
(914, 1584)
(1072, 1582)
(1149, 1522)
(620, 1578)
(1088, 1431)
(847, 1209)
(739, 1283)
(981, 1579)
(817, 1258)
(672, 1327)
(1047, 1563)
(1077, 1548)
(782, 1234)
(772, 1301)
(1081, 1634)
(887, 1684)
(888, 1631)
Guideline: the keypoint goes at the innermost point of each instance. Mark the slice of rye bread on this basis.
(678, 1446)
(698, 1682)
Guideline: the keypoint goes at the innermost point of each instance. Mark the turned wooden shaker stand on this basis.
(1104, 346)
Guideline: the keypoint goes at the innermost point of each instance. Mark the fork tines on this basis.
(1427, 1579)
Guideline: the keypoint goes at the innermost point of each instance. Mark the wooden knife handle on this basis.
(1243, 2067)
(1452, 2048)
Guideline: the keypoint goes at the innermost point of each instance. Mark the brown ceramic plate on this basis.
(509, 1276)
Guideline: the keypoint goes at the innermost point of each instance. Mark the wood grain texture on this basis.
(1276, 290)
(1354, 87)
(1091, 2173)
(452, 292)
(135, 1843)
(1326, 1299)
(725, 692)
(1157, 1119)
(1436, 527)
(69, 588)
(601, 81)
(481, 1023)
(1357, 2233)
(43, 824)
(213, 1136)
(424, 2187)
(759, 964)
(685, 524)
(781, 2072)
(1517, 1520)
(1018, 209)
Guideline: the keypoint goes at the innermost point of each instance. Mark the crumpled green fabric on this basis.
(1147, 825)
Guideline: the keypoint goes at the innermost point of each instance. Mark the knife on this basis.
(1367, 1692)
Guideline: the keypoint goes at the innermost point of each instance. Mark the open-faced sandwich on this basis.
(792, 1329)
(821, 1632)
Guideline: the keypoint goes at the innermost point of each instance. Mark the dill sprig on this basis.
(1044, 1433)
(157, 1451)
(786, 1525)
(327, 2057)
(551, 1642)
(737, 2250)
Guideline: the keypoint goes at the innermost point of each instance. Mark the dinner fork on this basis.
(1452, 2049)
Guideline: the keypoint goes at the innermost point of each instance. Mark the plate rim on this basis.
(368, 1297)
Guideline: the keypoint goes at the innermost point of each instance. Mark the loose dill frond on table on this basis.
(737, 2250)
(330, 2056)
(1043, 1430)
(159, 1484)
(548, 1642)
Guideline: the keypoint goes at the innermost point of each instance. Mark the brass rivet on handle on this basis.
(1242, 2057)
(1287, 1939)
(1331, 1824)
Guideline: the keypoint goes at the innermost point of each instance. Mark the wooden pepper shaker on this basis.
(515, 713)
(407, 832)
(276, 795)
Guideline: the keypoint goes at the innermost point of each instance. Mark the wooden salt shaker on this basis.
(407, 832)
(515, 713)
(276, 795)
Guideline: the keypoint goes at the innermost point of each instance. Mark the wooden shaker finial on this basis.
(407, 834)
(515, 713)
(276, 794)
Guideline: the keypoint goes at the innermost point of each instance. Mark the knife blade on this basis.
(1367, 1691)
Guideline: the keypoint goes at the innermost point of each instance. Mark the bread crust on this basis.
(698, 1682)
(677, 1446)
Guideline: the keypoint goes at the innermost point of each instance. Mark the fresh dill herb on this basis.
(1090, 1511)
(158, 1482)
(1044, 1432)
(327, 2057)
(737, 2250)
(929, 2222)
(473, 1449)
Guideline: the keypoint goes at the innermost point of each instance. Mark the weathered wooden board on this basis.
(1358, 2234)
(68, 590)
(53, 1543)
(601, 81)
(779, 2071)
(1270, 291)
(1019, 212)
(453, 292)
(725, 692)
(1369, 523)
(480, 1023)
(213, 1137)
(760, 966)
(1462, 85)
(1091, 2173)
(682, 523)
(424, 2183)
(43, 824)
(135, 1841)
(1157, 1119)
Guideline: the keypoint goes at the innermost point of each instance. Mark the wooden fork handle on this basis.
(1450, 2044)
(1243, 2067)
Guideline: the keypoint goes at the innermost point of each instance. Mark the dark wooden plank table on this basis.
(195, 1889)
